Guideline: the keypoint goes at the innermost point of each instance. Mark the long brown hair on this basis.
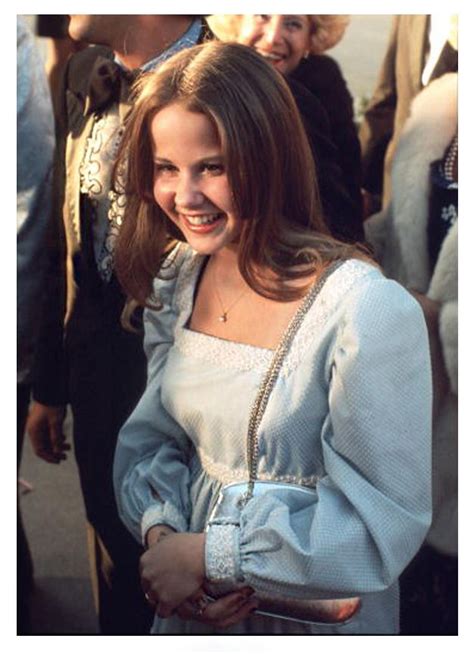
(267, 159)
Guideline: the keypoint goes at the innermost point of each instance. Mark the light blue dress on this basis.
(350, 414)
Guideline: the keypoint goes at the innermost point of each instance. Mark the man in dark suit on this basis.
(420, 49)
(85, 357)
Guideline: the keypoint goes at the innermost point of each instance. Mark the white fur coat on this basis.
(399, 236)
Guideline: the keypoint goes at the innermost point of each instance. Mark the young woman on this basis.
(222, 240)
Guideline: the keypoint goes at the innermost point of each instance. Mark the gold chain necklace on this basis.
(225, 312)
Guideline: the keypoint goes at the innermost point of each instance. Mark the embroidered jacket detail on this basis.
(95, 176)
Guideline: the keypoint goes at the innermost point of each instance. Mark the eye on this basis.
(164, 168)
(212, 168)
(294, 24)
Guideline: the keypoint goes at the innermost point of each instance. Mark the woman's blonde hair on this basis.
(326, 30)
(267, 159)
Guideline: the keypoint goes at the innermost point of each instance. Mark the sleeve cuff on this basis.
(222, 556)
(162, 514)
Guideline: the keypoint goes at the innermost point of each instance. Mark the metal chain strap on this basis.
(272, 373)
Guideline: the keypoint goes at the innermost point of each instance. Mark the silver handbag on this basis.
(233, 497)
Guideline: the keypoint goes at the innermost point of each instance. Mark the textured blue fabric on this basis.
(350, 415)
(35, 147)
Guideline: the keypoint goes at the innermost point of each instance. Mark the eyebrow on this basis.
(212, 157)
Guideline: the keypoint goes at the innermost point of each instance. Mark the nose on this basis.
(188, 193)
(274, 30)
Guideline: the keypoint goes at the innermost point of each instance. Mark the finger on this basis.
(49, 458)
(150, 598)
(164, 610)
(59, 445)
(187, 611)
(44, 452)
(230, 601)
(225, 607)
(60, 454)
(143, 570)
(243, 612)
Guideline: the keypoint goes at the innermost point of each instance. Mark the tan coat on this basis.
(398, 83)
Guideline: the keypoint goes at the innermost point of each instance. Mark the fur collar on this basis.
(428, 131)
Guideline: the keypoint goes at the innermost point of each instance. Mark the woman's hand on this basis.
(156, 533)
(221, 613)
(172, 570)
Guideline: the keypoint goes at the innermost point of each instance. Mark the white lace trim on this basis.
(220, 544)
(225, 354)
(227, 475)
(243, 357)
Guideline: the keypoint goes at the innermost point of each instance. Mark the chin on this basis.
(211, 246)
(205, 249)
(283, 68)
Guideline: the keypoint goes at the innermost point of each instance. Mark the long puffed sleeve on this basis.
(151, 475)
(373, 504)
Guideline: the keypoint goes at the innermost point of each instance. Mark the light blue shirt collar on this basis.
(187, 40)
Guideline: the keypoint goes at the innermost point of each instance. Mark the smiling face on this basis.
(190, 181)
(282, 40)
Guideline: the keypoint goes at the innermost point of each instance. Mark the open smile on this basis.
(273, 57)
(202, 223)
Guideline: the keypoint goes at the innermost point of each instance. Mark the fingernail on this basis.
(251, 605)
(247, 592)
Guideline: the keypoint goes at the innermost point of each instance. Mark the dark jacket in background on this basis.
(322, 76)
(342, 213)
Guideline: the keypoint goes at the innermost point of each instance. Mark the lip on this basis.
(273, 57)
(205, 228)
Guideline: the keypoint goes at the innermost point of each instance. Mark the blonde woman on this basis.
(296, 45)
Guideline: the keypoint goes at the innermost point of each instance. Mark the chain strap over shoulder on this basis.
(268, 382)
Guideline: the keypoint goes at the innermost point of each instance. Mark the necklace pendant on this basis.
(223, 318)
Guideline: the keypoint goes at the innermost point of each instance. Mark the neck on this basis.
(228, 284)
(147, 37)
(227, 257)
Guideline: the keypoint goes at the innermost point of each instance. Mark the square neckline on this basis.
(200, 262)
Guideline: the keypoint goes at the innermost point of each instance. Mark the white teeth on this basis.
(273, 57)
(203, 220)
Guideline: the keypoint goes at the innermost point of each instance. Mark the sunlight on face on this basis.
(190, 180)
(282, 40)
